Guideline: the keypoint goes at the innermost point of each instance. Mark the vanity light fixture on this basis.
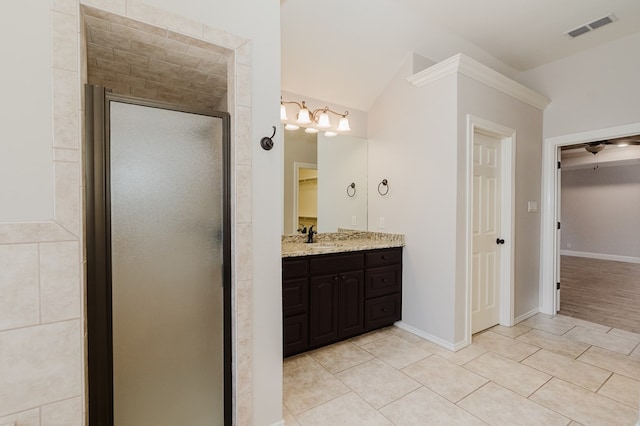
(313, 120)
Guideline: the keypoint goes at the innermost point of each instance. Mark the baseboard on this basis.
(525, 316)
(615, 257)
(433, 339)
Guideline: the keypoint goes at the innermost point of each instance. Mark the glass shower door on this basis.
(166, 196)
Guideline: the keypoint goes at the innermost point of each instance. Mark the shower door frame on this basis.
(98, 249)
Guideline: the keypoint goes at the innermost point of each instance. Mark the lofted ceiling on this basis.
(346, 52)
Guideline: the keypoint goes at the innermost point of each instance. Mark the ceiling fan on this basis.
(597, 146)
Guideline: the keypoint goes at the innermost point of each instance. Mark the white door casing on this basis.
(506, 138)
(549, 243)
(485, 281)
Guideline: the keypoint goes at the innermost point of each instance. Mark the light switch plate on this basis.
(532, 206)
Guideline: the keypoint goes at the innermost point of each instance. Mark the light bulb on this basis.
(330, 134)
(290, 126)
(303, 116)
(623, 144)
(310, 130)
(343, 125)
(323, 121)
(283, 113)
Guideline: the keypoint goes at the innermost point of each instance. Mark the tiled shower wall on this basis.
(42, 308)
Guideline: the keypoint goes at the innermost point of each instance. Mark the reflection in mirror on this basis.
(341, 161)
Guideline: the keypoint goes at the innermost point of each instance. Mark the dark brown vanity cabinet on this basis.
(331, 297)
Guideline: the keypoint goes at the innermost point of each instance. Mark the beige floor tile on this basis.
(377, 382)
(512, 332)
(289, 419)
(622, 389)
(424, 407)
(505, 346)
(499, 406)
(347, 410)
(445, 378)
(307, 384)
(340, 356)
(582, 405)
(579, 373)
(602, 340)
(626, 334)
(575, 424)
(396, 351)
(636, 353)
(372, 336)
(409, 337)
(460, 357)
(548, 324)
(612, 361)
(582, 323)
(507, 373)
(554, 343)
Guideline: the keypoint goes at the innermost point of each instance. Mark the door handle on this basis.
(499, 241)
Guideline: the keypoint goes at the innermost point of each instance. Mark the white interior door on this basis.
(486, 240)
(558, 230)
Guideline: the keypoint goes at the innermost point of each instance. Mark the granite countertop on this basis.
(338, 242)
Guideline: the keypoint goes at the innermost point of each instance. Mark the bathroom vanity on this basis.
(335, 289)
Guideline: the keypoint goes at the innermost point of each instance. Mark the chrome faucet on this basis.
(310, 234)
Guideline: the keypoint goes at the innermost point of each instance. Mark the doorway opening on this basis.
(490, 245)
(550, 236)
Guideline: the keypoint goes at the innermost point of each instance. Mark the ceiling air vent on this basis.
(583, 29)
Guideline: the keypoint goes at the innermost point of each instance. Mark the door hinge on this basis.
(557, 286)
(558, 165)
(558, 225)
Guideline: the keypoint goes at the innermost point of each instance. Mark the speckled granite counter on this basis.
(337, 242)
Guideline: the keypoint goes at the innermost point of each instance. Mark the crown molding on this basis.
(473, 69)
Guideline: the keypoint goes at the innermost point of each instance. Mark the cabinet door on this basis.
(351, 304)
(295, 296)
(323, 310)
(296, 337)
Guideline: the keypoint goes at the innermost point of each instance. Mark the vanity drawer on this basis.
(383, 281)
(384, 257)
(294, 268)
(295, 296)
(382, 311)
(322, 265)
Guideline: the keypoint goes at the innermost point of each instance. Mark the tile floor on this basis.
(544, 371)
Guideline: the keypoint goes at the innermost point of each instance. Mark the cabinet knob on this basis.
(335, 278)
(344, 277)
(384, 280)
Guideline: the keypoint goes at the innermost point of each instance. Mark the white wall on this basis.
(601, 210)
(26, 167)
(591, 90)
(418, 139)
(413, 144)
(342, 160)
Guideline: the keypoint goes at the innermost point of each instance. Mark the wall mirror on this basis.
(325, 182)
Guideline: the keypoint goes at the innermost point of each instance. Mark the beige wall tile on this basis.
(69, 7)
(116, 6)
(243, 54)
(108, 38)
(244, 410)
(244, 366)
(445, 378)
(26, 418)
(130, 58)
(67, 413)
(65, 37)
(49, 370)
(243, 193)
(19, 304)
(18, 233)
(554, 343)
(67, 196)
(222, 38)
(95, 22)
(147, 13)
(60, 281)
(243, 85)
(244, 309)
(243, 135)
(504, 346)
(243, 261)
(583, 406)
(502, 407)
(66, 155)
(66, 109)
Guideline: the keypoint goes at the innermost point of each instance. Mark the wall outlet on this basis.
(381, 221)
(532, 206)
(354, 220)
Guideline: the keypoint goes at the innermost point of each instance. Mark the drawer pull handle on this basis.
(344, 277)
(335, 278)
(384, 280)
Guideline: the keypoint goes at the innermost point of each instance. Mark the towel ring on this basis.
(385, 184)
(351, 190)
